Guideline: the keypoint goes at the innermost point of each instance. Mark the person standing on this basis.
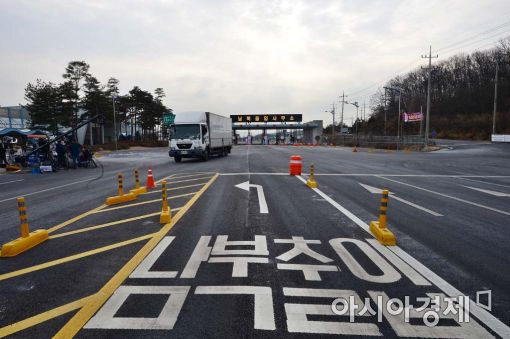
(3, 158)
(75, 152)
(61, 154)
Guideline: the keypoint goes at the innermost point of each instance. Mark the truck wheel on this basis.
(177, 159)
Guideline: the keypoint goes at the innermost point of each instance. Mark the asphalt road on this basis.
(117, 272)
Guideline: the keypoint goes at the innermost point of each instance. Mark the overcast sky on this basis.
(237, 56)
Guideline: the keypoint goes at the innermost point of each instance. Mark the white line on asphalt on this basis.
(351, 216)
(488, 319)
(448, 196)
(373, 175)
(47, 189)
(376, 190)
(8, 182)
(485, 182)
(494, 193)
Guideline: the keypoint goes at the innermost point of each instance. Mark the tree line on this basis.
(81, 96)
(462, 97)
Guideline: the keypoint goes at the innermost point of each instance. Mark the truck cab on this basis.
(190, 136)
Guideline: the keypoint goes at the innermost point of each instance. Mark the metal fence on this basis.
(377, 141)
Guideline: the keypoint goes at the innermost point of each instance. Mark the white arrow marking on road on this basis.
(376, 190)
(260, 192)
(495, 193)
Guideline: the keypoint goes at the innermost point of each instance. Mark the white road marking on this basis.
(105, 318)
(263, 304)
(485, 182)
(200, 254)
(311, 272)
(260, 193)
(240, 267)
(488, 319)
(449, 196)
(484, 316)
(9, 182)
(389, 274)
(376, 190)
(494, 193)
(298, 321)
(373, 175)
(408, 271)
(47, 189)
(142, 271)
(342, 209)
(222, 242)
(300, 247)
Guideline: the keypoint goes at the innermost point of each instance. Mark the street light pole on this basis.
(495, 99)
(114, 121)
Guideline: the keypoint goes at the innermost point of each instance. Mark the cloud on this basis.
(232, 56)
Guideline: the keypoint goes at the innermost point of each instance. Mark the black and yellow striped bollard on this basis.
(138, 189)
(166, 212)
(122, 197)
(27, 239)
(311, 179)
(379, 228)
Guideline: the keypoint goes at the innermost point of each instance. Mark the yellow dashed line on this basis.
(80, 319)
(73, 257)
(42, 317)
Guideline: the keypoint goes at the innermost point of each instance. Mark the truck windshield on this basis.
(191, 132)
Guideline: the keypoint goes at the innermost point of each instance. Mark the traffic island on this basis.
(28, 239)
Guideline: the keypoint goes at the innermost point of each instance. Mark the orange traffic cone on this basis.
(150, 180)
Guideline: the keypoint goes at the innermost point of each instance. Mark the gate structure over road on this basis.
(266, 122)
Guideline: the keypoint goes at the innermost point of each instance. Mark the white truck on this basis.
(199, 135)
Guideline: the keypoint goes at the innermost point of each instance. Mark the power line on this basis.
(472, 37)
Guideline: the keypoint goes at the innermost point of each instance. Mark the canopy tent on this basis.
(16, 132)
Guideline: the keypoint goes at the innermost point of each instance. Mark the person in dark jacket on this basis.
(75, 152)
(61, 154)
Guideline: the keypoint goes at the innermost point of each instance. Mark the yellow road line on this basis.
(42, 317)
(175, 182)
(144, 202)
(13, 274)
(116, 222)
(80, 319)
(191, 175)
(70, 221)
(175, 188)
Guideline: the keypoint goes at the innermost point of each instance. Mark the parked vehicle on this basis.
(200, 135)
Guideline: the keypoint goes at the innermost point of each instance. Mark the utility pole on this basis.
(495, 98)
(114, 121)
(385, 111)
(429, 70)
(333, 113)
(342, 115)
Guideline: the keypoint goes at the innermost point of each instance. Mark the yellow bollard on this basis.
(379, 228)
(311, 179)
(27, 239)
(138, 189)
(121, 197)
(166, 212)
